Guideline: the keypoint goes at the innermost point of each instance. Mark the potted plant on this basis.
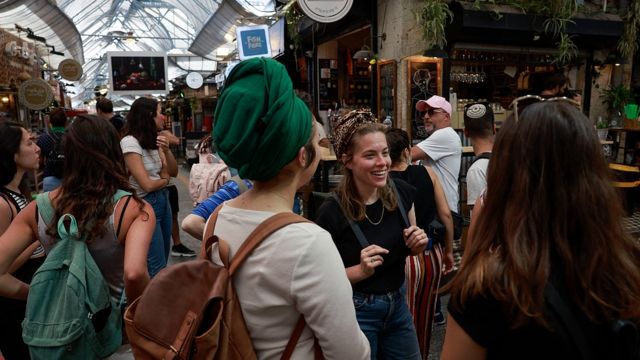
(616, 98)
(602, 128)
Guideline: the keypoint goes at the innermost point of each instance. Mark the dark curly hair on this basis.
(141, 124)
(11, 135)
(94, 170)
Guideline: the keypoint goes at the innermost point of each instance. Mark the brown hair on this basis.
(94, 170)
(571, 225)
(354, 209)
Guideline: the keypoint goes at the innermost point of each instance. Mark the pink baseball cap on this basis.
(436, 102)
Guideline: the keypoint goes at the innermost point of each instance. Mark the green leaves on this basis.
(434, 16)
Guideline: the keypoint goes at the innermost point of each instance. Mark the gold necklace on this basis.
(377, 222)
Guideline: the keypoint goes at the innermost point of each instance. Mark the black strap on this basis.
(124, 208)
(400, 205)
(354, 226)
(570, 325)
(6, 198)
(484, 155)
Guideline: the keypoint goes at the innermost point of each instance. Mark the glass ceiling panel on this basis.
(156, 25)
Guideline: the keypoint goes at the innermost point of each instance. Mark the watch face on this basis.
(194, 80)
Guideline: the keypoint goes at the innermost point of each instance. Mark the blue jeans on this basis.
(161, 241)
(387, 323)
(50, 183)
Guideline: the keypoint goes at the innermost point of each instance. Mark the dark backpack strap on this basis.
(124, 208)
(569, 324)
(484, 155)
(354, 226)
(400, 204)
(266, 228)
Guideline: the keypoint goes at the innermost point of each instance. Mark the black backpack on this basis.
(55, 157)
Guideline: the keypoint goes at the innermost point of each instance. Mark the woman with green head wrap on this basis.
(268, 134)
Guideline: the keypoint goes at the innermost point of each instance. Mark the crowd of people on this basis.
(365, 275)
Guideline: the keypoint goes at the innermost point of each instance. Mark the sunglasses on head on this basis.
(520, 103)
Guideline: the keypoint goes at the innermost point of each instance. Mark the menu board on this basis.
(386, 90)
(327, 83)
(424, 80)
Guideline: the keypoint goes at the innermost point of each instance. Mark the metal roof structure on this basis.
(194, 33)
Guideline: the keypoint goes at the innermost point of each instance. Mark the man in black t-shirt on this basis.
(104, 109)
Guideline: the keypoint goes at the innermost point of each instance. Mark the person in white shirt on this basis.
(442, 150)
(479, 127)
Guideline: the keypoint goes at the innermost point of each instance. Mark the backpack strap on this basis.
(293, 341)
(567, 320)
(124, 208)
(266, 228)
(400, 204)
(354, 226)
(44, 207)
(484, 155)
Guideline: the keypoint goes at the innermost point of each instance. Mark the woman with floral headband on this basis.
(372, 222)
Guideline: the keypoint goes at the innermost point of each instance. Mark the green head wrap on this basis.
(260, 124)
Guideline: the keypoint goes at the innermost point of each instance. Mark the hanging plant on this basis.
(434, 16)
(628, 44)
(292, 17)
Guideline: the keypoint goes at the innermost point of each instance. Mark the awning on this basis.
(47, 21)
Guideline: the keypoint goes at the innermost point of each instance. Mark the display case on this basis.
(359, 85)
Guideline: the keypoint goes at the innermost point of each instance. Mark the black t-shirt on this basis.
(117, 121)
(388, 234)
(484, 320)
(425, 203)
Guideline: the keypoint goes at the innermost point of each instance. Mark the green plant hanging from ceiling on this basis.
(292, 17)
(558, 13)
(628, 44)
(434, 16)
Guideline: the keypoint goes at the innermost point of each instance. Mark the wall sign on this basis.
(253, 41)
(70, 70)
(35, 94)
(194, 80)
(325, 11)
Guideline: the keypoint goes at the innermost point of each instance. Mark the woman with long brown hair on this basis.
(119, 232)
(372, 222)
(19, 154)
(551, 223)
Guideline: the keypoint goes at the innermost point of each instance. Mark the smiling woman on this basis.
(374, 233)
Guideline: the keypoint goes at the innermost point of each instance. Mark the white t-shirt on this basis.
(444, 149)
(476, 180)
(150, 159)
(297, 270)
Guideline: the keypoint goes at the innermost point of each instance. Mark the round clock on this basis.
(194, 80)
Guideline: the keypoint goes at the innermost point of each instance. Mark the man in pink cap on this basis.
(442, 150)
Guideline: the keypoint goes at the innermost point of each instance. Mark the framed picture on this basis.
(424, 79)
(137, 73)
(386, 90)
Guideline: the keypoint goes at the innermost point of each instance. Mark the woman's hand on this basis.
(371, 258)
(162, 142)
(416, 239)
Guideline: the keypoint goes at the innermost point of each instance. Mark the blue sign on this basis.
(253, 42)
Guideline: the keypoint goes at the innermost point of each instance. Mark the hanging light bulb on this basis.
(130, 39)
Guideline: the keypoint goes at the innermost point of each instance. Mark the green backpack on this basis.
(70, 313)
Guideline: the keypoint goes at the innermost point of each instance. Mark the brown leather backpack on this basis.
(190, 310)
